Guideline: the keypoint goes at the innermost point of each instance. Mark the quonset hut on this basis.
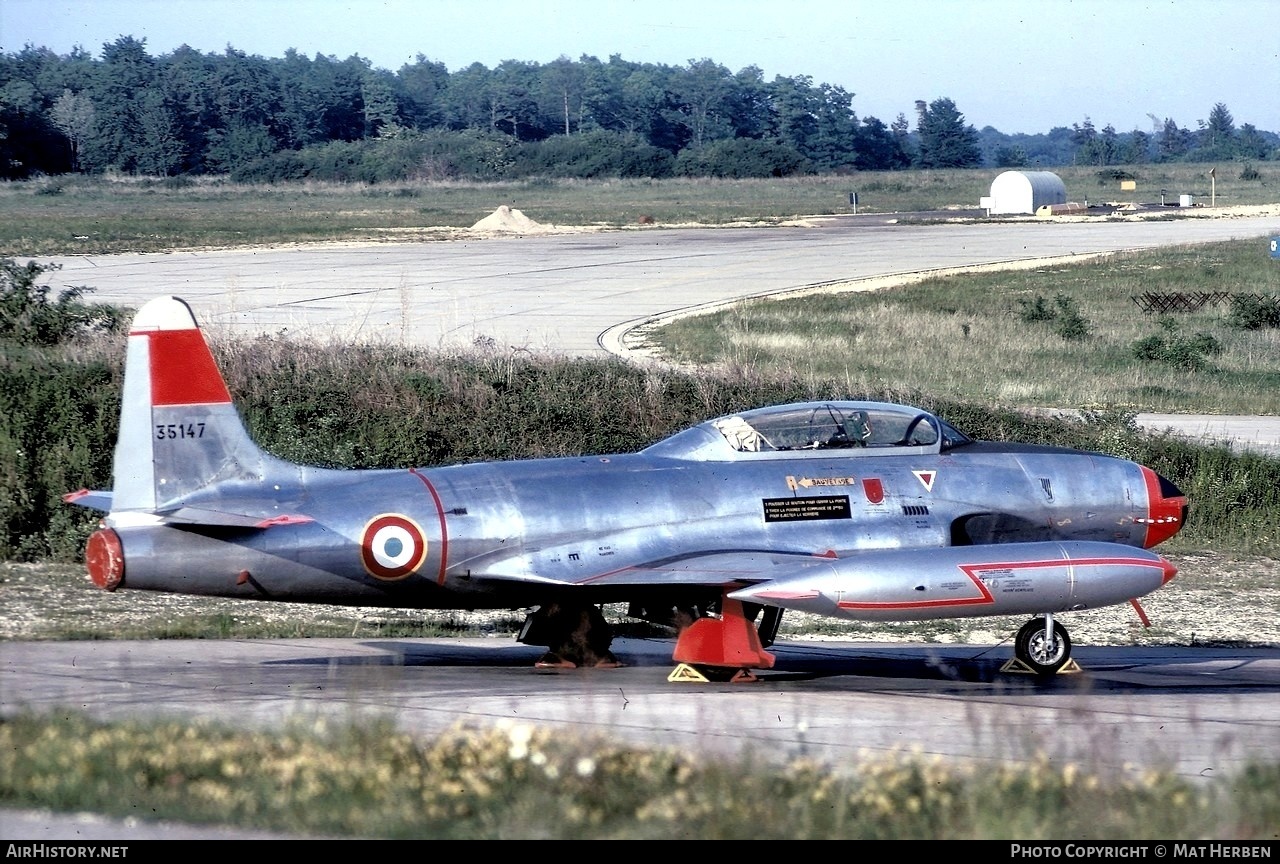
(1026, 191)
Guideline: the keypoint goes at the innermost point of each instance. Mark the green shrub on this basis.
(1174, 349)
(58, 424)
(741, 157)
(279, 167)
(1068, 322)
(29, 317)
(1253, 312)
(598, 153)
(1036, 309)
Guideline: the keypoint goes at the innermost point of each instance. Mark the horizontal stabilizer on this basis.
(223, 518)
(95, 500)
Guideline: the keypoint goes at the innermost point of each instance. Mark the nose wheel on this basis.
(1043, 646)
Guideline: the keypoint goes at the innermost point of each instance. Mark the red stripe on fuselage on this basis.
(183, 371)
(985, 598)
(444, 528)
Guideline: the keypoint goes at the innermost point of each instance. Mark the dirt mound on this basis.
(508, 219)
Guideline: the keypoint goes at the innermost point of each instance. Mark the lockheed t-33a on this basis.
(857, 510)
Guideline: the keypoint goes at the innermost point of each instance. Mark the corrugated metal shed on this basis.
(1026, 191)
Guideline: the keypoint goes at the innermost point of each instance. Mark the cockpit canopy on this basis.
(860, 428)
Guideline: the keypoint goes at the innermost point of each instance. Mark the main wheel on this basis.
(1045, 656)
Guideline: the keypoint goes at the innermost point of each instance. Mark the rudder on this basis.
(179, 430)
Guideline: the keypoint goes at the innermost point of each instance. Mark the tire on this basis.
(1043, 657)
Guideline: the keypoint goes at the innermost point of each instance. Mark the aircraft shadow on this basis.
(853, 667)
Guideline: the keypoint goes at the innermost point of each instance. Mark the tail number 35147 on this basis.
(179, 430)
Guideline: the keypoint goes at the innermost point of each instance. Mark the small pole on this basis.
(1213, 186)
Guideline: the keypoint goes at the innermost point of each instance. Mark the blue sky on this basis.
(1018, 66)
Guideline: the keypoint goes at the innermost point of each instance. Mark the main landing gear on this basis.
(1042, 647)
(721, 647)
(577, 636)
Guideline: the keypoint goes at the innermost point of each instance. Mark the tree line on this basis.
(255, 118)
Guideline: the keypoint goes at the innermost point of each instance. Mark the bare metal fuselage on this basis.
(505, 535)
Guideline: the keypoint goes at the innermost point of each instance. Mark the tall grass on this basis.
(370, 780)
(966, 337)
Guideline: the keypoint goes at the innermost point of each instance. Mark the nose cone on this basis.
(1166, 509)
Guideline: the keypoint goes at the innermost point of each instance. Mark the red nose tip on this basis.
(1166, 509)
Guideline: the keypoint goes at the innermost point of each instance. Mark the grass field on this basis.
(1065, 336)
(78, 215)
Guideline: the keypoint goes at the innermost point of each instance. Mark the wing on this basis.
(901, 584)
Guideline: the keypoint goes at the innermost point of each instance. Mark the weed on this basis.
(1174, 349)
(1254, 311)
(29, 317)
(370, 779)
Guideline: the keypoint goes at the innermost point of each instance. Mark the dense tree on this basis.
(1251, 144)
(124, 84)
(186, 78)
(72, 114)
(793, 116)
(377, 99)
(160, 152)
(1220, 131)
(901, 129)
(420, 88)
(1085, 139)
(945, 140)
(1108, 146)
(835, 142)
(467, 103)
(700, 98)
(1011, 157)
(878, 149)
(560, 93)
(1138, 148)
(513, 102)
(191, 112)
(1174, 142)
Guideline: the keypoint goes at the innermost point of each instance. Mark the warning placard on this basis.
(806, 509)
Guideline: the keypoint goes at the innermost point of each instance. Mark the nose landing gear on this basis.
(1042, 648)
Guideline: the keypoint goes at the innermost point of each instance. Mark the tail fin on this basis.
(180, 434)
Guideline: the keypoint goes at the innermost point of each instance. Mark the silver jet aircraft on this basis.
(865, 511)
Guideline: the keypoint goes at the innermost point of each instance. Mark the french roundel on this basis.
(392, 546)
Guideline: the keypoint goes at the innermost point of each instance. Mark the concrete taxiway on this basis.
(1203, 712)
(573, 292)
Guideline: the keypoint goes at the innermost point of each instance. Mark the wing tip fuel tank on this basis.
(968, 581)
